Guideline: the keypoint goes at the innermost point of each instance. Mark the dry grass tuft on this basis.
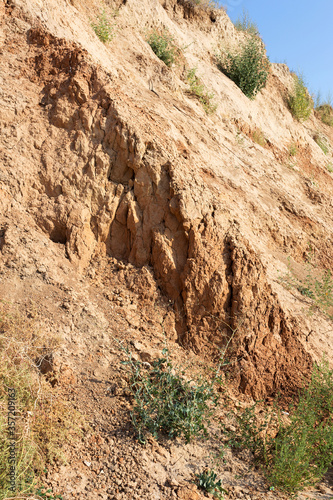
(41, 419)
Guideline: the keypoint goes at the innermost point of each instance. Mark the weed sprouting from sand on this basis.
(166, 403)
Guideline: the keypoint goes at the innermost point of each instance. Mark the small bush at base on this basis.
(302, 450)
(249, 68)
(299, 101)
(207, 482)
(162, 44)
(165, 403)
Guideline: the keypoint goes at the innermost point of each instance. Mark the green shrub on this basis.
(244, 23)
(103, 27)
(249, 68)
(325, 112)
(165, 403)
(329, 167)
(322, 142)
(162, 44)
(299, 101)
(207, 481)
(249, 433)
(199, 90)
(301, 450)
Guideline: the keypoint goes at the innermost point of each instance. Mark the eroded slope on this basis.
(94, 159)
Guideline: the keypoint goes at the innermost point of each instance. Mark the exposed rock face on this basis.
(106, 167)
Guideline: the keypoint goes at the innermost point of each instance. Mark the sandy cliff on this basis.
(100, 173)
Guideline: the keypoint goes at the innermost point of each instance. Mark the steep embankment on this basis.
(95, 165)
(105, 166)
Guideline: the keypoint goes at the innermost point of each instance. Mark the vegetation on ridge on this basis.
(248, 68)
(244, 23)
(299, 101)
(293, 448)
(205, 4)
(324, 109)
(325, 112)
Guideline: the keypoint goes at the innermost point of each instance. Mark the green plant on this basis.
(103, 27)
(325, 112)
(162, 44)
(206, 481)
(244, 23)
(329, 167)
(47, 494)
(322, 142)
(249, 68)
(199, 90)
(324, 109)
(299, 101)
(303, 449)
(294, 452)
(293, 149)
(240, 139)
(250, 432)
(165, 403)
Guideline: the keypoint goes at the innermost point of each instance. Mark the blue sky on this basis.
(297, 32)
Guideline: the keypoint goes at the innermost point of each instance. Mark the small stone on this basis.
(137, 345)
(230, 428)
